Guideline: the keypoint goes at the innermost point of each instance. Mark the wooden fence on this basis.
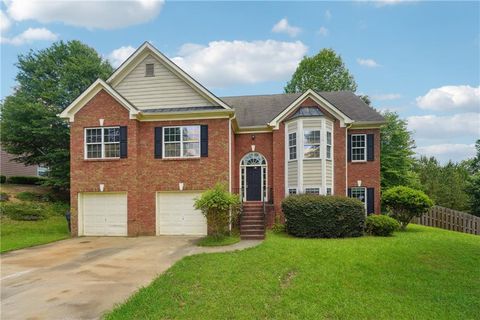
(450, 219)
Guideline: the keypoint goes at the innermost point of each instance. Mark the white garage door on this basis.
(177, 216)
(104, 214)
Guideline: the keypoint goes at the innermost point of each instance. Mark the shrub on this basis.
(381, 225)
(4, 196)
(25, 180)
(29, 196)
(27, 211)
(405, 203)
(313, 216)
(3, 179)
(218, 206)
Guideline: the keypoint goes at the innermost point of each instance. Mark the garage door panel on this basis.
(177, 216)
(104, 214)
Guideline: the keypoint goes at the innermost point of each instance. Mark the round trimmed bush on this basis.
(313, 216)
(381, 225)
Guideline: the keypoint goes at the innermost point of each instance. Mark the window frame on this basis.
(292, 146)
(146, 70)
(319, 144)
(328, 191)
(182, 156)
(314, 187)
(290, 193)
(364, 193)
(328, 145)
(102, 143)
(364, 147)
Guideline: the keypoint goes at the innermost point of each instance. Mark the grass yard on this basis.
(209, 241)
(17, 234)
(424, 273)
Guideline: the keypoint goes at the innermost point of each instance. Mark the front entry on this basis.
(254, 183)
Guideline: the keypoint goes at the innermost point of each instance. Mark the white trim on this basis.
(300, 157)
(89, 93)
(102, 143)
(275, 123)
(323, 138)
(264, 188)
(364, 148)
(333, 160)
(229, 156)
(181, 142)
(147, 48)
(286, 156)
(295, 145)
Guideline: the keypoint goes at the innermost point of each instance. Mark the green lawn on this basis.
(209, 241)
(423, 273)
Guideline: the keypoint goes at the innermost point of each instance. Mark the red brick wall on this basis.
(141, 175)
(368, 172)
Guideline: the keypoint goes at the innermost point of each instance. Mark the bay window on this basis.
(311, 144)
(292, 146)
(329, 146)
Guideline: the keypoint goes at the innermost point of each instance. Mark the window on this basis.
(329, 191)
(360, 194)
(102, 143)
(311, 144)
(329, 145)
(312, 190)
(292, 191)
(359, 147)
(181, 142)
(149, 70)
(292, 145)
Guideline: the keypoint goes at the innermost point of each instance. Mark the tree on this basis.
(322, 72)
(473, 182)
(47, 82)
(397, 153)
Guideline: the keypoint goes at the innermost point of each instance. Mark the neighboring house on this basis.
(9, 167)
(150, 139)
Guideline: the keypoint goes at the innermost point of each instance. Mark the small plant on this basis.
(219, 207)
(405, 203)
(4, 196)
(278, 226)
(25, 180)
(381, 225)
(3, 179)
(25, 211)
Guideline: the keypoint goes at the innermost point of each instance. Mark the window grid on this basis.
(292, 191)
(329, 191)
(149, 70)
(181, 142)
(102, 143)
(311, 144)
(359, 147)
(360, 194)
(312, 190)
(329, 145)
(292, 145)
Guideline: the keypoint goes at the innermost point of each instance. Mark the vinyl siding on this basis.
(312, 172)
(163, 90)
(329, 173)
(292, 173)
(329, 125)
(312, 124)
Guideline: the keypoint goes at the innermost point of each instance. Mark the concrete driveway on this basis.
(82, 278)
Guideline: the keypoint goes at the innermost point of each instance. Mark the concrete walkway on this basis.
(82, 278)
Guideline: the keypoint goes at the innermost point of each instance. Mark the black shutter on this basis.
(123, 142)
(370, 200)
(204, 140)
(349, 192)
(349, 147)
(370, 148)
(158, 142)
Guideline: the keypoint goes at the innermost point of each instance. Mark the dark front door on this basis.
(254, 183)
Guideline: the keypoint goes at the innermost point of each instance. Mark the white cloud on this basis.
(386, 96)
(383, 3)
(102, 14)
(323, 31)
(283, 26)
(30, 35)
(117, 56)
(448, 151)
(461, 97)
(4, 22)
(441, 127)
(223, 63)
(328, 14)
(370, 63)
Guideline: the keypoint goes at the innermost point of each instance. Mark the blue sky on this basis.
(420, 59)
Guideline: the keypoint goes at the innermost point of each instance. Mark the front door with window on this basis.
(254, 183)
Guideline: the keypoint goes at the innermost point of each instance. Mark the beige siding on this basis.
(163, 90)
(329, 125)
(312, 124)
(312, 172)
(292, 127)
(292, 173)
(329, 172)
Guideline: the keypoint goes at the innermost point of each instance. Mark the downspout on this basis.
(346, 157)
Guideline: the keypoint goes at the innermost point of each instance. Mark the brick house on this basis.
(150, 139)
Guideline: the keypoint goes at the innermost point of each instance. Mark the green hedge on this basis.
(26, 211)
(381, 225)
(25, 180)
(313, 216)
(3, 179)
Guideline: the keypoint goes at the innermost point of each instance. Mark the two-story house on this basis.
(146, 142)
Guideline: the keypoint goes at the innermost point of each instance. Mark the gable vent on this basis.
(149, 70)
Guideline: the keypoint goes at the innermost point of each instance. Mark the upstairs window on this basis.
(311, 144)
(149, 70)
(102, 143)
(181, 142)
(359, 147)
(292, 146)
(329, 146)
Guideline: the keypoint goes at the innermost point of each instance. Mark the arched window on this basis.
(253, 159)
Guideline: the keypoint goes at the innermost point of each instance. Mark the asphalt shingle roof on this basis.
(260, 110)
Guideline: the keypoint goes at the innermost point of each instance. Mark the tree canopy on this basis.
(323, 72)
(48, 81)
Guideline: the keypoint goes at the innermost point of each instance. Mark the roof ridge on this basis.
(261, 95)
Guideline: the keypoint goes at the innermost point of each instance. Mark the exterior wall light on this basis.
(359, 183)
(101, 122)
(180, 186)
(102, 187)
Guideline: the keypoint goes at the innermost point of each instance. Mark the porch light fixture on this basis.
(359, 183)
(101, 122)
(102, 187)
(180, 186)
(253, 147)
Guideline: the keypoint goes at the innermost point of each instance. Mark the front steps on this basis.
(252, 223)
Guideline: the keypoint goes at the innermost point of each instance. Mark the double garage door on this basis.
(105, 214)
